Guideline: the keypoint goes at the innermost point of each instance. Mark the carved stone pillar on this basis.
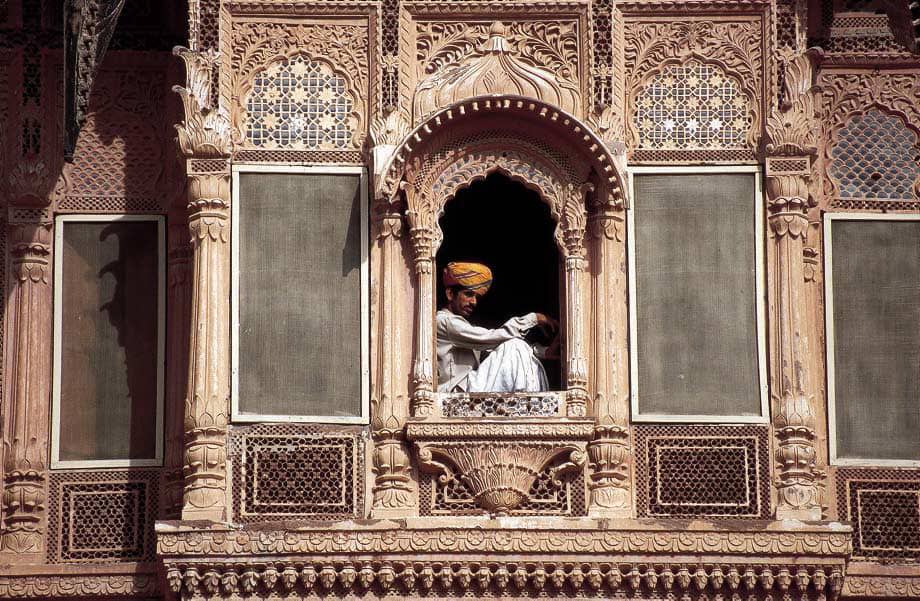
(204, 140)
(799, 494)
(609, 452)
(28, 373)
(791, 144)
(573, 235)
(421, 233)
(393, 489)
(179, 294)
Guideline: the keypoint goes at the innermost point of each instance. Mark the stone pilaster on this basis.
(393, 489)
(790, 148)
(421, 236)
(609, 452)
(572, 226)
(179, 295)
(204, 140)
(28, 373)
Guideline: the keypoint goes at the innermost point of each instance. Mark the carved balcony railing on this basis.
(501, 404)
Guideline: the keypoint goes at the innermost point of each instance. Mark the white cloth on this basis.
(511, 367)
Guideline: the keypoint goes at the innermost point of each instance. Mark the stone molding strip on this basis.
(505, 535)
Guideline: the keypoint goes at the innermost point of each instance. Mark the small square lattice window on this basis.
(692, 106)
(299, 104)
(875, 156)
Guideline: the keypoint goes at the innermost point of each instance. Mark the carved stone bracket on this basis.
(493, 460)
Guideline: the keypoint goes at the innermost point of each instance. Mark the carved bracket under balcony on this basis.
(499, 459)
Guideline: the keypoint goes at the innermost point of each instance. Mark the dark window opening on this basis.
(502, 224)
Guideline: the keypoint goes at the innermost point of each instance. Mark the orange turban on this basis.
(474, 276)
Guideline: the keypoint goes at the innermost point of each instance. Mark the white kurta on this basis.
(511, 367)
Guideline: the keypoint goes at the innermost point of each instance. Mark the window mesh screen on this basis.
(696, 310)
(876, 292)
(299, 294)
(108, 381)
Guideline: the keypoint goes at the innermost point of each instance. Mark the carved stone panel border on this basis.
(735, 37)
(102, 517)
(312, 473)
(256, 34)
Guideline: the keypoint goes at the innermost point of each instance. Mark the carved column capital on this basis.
(205, 132)
(28, 372)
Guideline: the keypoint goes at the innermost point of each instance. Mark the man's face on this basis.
(462, 301)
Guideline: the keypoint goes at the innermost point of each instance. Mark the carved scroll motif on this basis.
(25, 428)
(204, 139)
(463, 60)
(791, 147)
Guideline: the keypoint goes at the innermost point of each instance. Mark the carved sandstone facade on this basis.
(427, 493)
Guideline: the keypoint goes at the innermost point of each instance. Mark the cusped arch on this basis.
(671, 88)
(533, 173)
(460, 132)
(872, 155)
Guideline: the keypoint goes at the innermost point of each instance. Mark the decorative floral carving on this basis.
(736, 47)
(205, 132)
(48, 586)
(259, 45)
(498, 475)
(462, 60)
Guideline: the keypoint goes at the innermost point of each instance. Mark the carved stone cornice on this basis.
(411, 539)
(301, 7)
(237, 579)
(873, 580)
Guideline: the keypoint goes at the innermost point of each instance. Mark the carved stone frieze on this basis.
(343, 47)
(735, 46)
(47, 586)
(461, 60)
(763, 539)
(499, 578)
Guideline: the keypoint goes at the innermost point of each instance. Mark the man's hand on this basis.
(548, 322)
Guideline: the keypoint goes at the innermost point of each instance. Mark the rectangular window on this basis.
(872, 291)
(109, 301)
(300, 252)
(696, 295)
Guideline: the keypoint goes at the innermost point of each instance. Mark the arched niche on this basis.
(530, 142)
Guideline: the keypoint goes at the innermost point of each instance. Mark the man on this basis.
(512, 366)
